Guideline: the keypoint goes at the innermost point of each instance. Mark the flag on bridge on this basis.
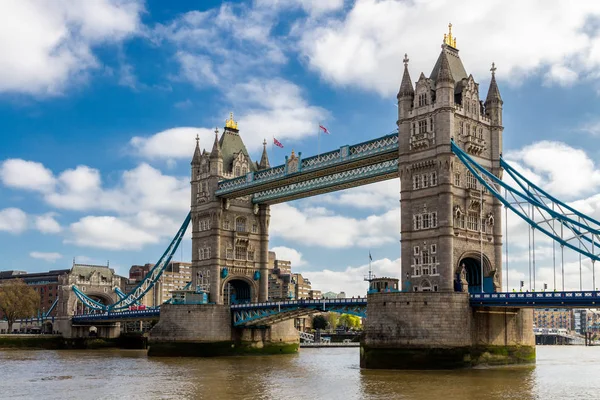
(277, 143)
(324, 129)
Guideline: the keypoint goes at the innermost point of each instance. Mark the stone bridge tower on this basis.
(230, 240)
(448, 222)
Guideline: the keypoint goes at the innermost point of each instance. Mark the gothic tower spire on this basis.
(493, 95)
(406, 87)
(264, 160)
(216, 150)
(197, 153)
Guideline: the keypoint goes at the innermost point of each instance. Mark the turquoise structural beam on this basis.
(268, 313)
(346, 158)
(146, 284)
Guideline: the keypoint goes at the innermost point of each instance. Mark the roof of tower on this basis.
(449, 56)
(264, 159)
(231, 144)
(406, 87)
(493, 91)
(196, 158)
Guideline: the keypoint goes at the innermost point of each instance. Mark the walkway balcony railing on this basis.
(537, 299)
(385, 144)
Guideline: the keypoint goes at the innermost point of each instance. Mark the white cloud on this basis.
(49, 257)
(563, 170)
(47, 46)
(28, 175)
(364, 47)
(13, 220)
(380, 195)
(340, 231)
(289, 254)
(109, 233)
(310, 6)
(350, 280)
(47, 224)
(173, 143)
(274, 102)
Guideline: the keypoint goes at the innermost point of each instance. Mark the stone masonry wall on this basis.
(420, 319)
(193, 322)
(503, 327)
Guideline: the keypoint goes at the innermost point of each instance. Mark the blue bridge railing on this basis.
(537, 299)
(119, 315)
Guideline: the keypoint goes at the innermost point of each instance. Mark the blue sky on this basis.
(100, 103)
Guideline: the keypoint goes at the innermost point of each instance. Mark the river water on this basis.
(561, 372)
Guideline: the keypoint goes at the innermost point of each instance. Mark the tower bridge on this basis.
(450, 310)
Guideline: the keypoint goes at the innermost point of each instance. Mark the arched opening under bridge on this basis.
(237, 291)
(99, 297)
(471, 266)
(47, 328)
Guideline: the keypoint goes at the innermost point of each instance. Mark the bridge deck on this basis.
(537, 299)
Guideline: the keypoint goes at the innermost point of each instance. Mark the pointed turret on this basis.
(406, 87)
(493, 95)
(406, 94)
(445, 73)
(264, 160)
(493, 101)
(197, 153)
(216, 150)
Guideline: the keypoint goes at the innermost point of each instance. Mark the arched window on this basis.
(425, 286)
(244, 171)
(237, 171)
(240, 224)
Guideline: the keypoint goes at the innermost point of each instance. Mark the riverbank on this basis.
(57, 342)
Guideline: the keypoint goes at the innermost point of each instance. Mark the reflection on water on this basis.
(562, 372)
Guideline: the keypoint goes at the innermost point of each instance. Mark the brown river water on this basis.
(561, 372)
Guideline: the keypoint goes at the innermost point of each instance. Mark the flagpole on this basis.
(319, 141)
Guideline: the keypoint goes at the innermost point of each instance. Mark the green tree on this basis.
(349, 321)
(18, 300)
(332, 319)
(319, 322)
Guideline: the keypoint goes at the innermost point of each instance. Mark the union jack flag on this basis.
(277, 143)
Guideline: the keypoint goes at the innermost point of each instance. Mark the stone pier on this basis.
(423, 330)
(205, 330)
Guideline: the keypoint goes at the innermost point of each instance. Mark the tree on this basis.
(332, 319)
(319, 322)
(349, 321)
(18, 300)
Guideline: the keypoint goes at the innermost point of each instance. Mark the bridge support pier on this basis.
(205, 330)
(436, 330)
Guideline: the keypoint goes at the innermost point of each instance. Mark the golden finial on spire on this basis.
(448, 39)
(230, 123)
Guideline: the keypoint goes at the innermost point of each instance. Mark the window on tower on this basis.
(240, 224)
(422, 99)
(240, 253)
(423, 126)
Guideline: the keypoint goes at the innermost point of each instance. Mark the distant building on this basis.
(303, 287)
(341, 295)
(329, 295)
(44, 283)
(314, 295)
(96, 281)
(553, 318)
(176, 276)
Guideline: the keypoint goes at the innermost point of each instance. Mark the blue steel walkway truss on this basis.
(268, 313)
(371, 161)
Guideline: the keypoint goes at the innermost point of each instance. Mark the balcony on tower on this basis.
(474, 144)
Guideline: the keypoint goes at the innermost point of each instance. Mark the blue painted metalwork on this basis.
(493, 184)
(52, 307)
(339, 178)
(536, 299)
(150, 313)
(186, 287)
(383, 145)
(146, 284)
(256, 275)
(268, 313)
(224, 273)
